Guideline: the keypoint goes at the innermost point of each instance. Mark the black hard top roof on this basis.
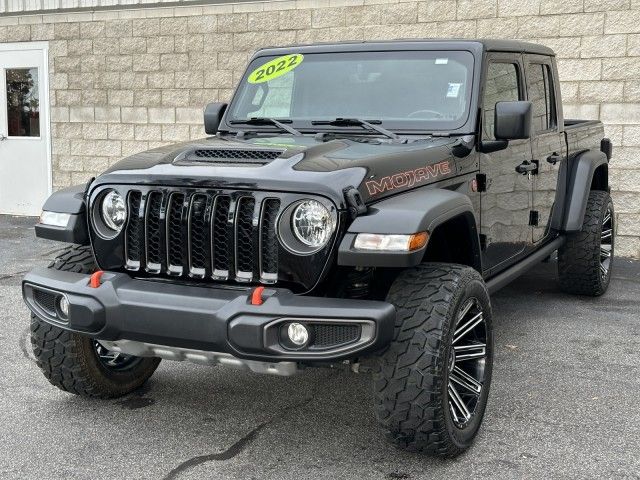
(493, 45)
(489, 45)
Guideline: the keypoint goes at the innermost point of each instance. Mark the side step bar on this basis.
(513, 272)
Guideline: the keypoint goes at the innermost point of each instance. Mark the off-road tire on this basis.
(579, 258)
(69, 361)
(411, 377)
(76, 258)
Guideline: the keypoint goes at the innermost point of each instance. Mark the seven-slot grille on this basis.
(223, 236)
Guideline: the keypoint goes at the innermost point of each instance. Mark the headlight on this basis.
(113, 211)
(312, 223)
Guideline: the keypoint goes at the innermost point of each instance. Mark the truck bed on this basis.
(582, 135)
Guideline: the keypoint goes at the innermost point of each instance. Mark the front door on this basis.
(507, 198)
(547, 140)
(24, 164)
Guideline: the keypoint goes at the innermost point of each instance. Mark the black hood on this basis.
(303, 164)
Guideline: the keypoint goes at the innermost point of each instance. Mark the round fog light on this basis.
(63, 305)
(298, 334)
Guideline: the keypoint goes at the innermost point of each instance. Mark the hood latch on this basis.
(355, 204)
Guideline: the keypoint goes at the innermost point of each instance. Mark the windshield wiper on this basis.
(268, 121)
(356, 122)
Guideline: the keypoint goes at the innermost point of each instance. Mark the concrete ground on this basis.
(564, 401)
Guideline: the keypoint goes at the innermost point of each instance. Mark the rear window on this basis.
(539, 87)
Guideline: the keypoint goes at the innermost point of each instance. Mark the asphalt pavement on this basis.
(564, 402)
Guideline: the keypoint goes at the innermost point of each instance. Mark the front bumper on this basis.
(205, 318)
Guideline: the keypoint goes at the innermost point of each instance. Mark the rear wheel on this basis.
(585, 261)
(431, 385)
(79, 364)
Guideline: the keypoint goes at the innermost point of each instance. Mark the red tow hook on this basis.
(95, 280)
(256, 296)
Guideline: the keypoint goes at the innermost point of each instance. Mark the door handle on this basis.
(526, 167)
(554, 158)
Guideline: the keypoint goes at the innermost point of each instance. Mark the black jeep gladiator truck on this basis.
(354, 206)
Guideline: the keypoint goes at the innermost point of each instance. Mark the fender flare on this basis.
(68, 200)
(581, 174)
(416, 211)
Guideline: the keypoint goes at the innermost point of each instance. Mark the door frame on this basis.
(45, 115)
(515, 58)
(531, 60)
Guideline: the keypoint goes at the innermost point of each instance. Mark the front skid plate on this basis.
(202, 357)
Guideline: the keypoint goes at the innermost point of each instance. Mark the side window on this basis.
(540, 88)
(501, 86)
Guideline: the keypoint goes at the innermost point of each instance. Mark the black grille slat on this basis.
(221, 244)
(245, 253)
(134, 235)
(198, 236)
(269, 239)
(153, 232)
(174, 234)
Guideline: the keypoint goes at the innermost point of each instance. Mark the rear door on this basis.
(506, 201)
(547, 140)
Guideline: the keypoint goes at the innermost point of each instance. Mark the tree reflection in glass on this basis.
(23, 103)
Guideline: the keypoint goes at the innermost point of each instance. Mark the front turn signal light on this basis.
(391, 242)
(418, 240)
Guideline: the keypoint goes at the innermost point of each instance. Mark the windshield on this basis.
(405, 90)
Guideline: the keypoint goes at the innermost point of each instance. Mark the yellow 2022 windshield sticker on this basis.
(275, 68)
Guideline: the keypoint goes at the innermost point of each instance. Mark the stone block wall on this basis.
(122, 81)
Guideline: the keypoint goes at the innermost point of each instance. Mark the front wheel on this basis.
(79, 364)
(432, 383)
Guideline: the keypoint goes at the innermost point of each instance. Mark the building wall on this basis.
(127, 80)
(16, 6)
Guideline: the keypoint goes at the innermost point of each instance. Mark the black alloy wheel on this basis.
(467, 360)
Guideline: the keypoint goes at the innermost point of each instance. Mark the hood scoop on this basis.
(228, 157)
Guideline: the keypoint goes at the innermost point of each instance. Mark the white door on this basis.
(25, 177)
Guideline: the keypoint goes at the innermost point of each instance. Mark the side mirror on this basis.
(213, 113)
(513, 120)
